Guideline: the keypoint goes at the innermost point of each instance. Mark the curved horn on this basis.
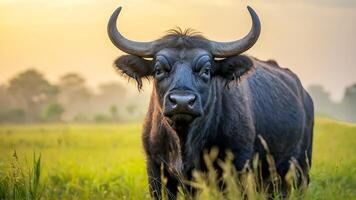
(143, 49)
(226, 49)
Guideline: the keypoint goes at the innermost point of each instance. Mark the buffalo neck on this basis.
(204, 131)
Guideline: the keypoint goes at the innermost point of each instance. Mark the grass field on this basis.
(107, 161)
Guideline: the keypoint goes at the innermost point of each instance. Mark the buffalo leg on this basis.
(242, 157)
(171, 186)
(154, 179)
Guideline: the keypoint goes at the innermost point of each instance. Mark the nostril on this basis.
(191, 100)
(172, 98)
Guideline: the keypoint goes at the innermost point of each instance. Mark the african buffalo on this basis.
(206, 94)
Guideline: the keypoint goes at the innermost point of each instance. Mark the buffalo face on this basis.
(184, 66)
(183, 78)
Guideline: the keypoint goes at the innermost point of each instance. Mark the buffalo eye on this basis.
(162, 67)
(203, 66)
(160, 71)
(205, 71)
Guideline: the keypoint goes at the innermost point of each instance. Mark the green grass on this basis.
(107, 162)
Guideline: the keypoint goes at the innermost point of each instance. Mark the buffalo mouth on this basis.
(182, 117)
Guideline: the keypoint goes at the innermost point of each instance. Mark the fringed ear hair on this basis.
(134, 67)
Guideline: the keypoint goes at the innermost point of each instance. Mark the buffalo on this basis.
(206, 94)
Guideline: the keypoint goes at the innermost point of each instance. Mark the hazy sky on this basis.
(314, 38)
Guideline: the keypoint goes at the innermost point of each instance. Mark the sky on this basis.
(314, 38)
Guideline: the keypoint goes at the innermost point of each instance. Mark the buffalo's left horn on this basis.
(143, 49)
(226, 49)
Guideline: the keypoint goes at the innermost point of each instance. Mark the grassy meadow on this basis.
(107, 162)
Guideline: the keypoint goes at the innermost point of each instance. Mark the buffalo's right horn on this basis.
(143, 49)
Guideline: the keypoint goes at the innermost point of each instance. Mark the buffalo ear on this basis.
(234, 67)
(134, 67)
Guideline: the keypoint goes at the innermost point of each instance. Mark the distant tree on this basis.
(13, 115)
(112, 93)
(322, 101)
(32, 92)
(81, 118)
(114, 113)
(349, 103)
(101, 118)
(112, 89)
(52, 112)
(6, 100)
(73, 88)
(131, 108)
(111, 96)
(74, 95)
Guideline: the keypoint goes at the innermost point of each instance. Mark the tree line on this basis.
(29, 97)
(344, 110)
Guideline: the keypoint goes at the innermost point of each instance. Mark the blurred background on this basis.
(56, 59)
